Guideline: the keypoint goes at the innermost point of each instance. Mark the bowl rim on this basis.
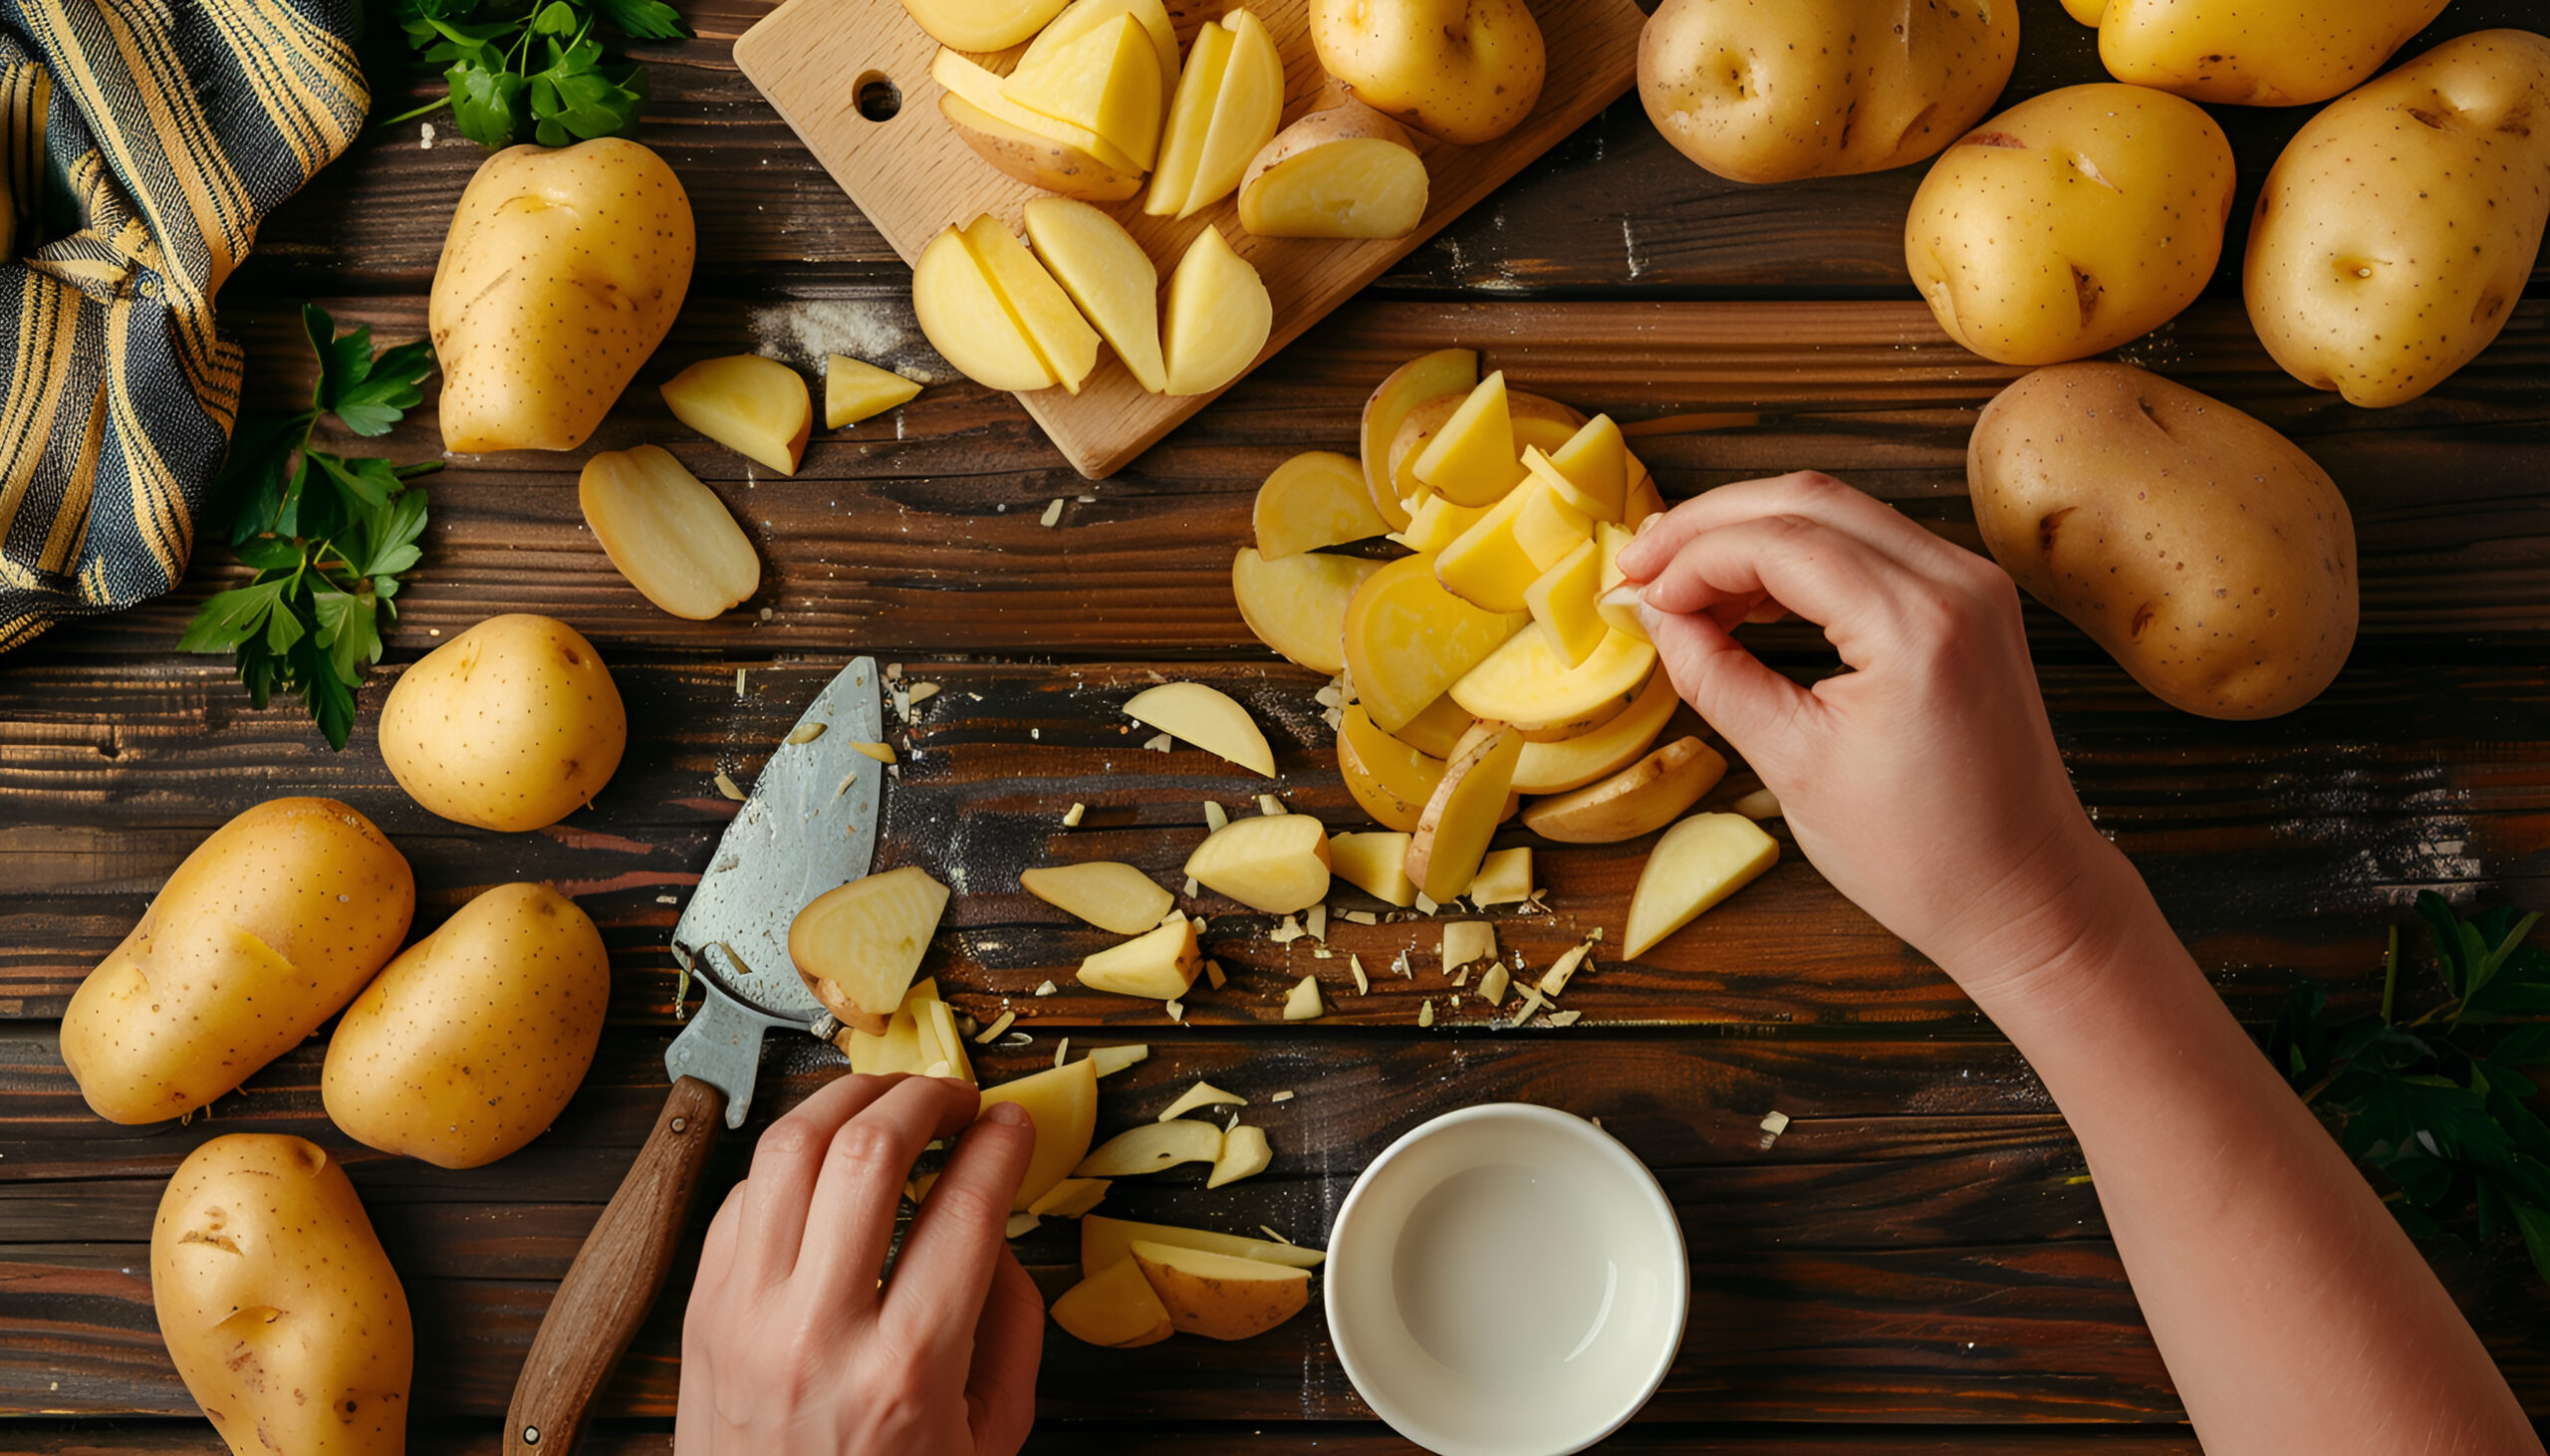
(1344, 1231)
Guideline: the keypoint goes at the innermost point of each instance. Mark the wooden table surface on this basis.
(1918, 1265)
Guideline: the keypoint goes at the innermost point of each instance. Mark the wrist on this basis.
(2089, 931)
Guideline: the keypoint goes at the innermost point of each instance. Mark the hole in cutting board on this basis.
(880, 99)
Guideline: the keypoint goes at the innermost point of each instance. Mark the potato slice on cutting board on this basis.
(1108, 275)
(1035, 157)
(981, 25)
(1218, 315)
(965, 318)
(858, 946)
(1343, 172)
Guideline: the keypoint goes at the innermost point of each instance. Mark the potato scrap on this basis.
(1245, 1154)
(1107, 1061)
(883, 753)
(1561, 971)
(1302, 1002)
(1492, 986)
(993, 1032)
(807, 732)
(1362, 983)
(1201, 1095)
(727, 786)
(1425, 1012)
(1072, 816)
(1214, 816)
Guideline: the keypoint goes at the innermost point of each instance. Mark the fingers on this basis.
(958, 1237)
(785, 1164)
(850, 1219)
(1758, 710)
(1009, 1343)
(1809, 494)
(1850, 588)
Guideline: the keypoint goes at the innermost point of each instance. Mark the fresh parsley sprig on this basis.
(2435, 1104)
(534, 71)
(328, 536)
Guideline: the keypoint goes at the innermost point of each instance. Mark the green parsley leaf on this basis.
(646, 20)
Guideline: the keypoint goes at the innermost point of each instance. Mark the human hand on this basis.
(1924, 784)
(790, 1349)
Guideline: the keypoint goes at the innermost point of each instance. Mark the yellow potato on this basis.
(1770, 91)
(279, 1312)
(561, 273)
(1462, 71)
(2398, 229)
(981, 25)
(2071, 223)
(1036, 159)
(2200, 548)
(1217, 318)
(1344, 172)
(755, 406)
(470, 1044)
(1446, 372)
(667, 533)
(513, 725)
(266, 929)
(2256, 53)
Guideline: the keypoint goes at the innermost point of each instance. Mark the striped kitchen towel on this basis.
(141, 142)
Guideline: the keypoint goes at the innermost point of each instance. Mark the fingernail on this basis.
(1650, 523)
(1628, 594)
(1010, 1113)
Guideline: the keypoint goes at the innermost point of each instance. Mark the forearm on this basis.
(2291, 1311)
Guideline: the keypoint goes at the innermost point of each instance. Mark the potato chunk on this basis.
(667, 533)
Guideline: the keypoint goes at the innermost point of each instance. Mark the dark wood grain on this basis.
(1614, 210)
(1922, 1215)
(2277, 847)
(920, 531)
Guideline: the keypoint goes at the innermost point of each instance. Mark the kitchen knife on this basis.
(808, 826)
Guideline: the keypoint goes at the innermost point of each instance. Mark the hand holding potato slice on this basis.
(2399, 226)
(279, 1310)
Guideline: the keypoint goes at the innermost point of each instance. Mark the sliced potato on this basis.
(1245, 1154)
(858, 946)
(1208, 718)
(1407, 639)
(1343, 172)
(1504, 878)
(854, 390)
(1152, 1148)
(1070, 1198)
(1160, 965)
(1646, 796)
(1104, 893)
(1107, 1242)
(1565, 600)
(1109, 277)
(1201, 1095)
(1452, 837)
(1526, 681)
(1471, 459)
(1445, 371)
(1590, 469)
(1035, 157)
(1055, 328)
(1535, 420)
(1114, 1308)
(757, 408)
(668, 534)
(1390, 779)
(1218, 317)
(1063, 1103)
(1697, 863)
(1277, 863)
(1297, 604)
(1312, 500)
(1375, 863)
(1437, 730)
(1220, 1297)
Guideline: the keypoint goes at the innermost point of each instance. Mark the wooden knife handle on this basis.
(616, 1277)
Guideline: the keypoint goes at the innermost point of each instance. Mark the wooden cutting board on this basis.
(913, 176)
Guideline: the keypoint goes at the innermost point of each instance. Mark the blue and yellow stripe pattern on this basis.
(141, 142)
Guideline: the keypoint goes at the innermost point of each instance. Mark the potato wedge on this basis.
(1312, 500)
(1277, 863)
(1392, 781)
(1107, 1242)
(1444, 373)
(1063, 1103)
(1218, 1295)
(1697, 863)
(1114, 1308)
(1646, 796)
(1108, 275)
(858, 946)
(854, 390)
(669, 535)
(1297, 604)
(757, 408)
(1208, 718)
(1152, 1148)
(1407, 639)
(1453, 836)
(1034, 157)
(1108, 895)
(1375, 863)
(1219, 317)
(1344, 172)
(1160, 965)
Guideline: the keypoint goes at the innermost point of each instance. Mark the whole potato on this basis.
(561, 273)
(2253, 53)
(261, 934)
(1462, 71)
(2206, 552)
(1769, 91)
(2071, 223)
(512, 725)
(470, 1044)
(281, 1312)
(2398, 229)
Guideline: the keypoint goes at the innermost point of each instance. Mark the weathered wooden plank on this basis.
(1615, 208)
(2276, 847)
(920, 530)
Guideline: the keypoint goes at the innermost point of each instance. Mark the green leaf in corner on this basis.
(646, 20)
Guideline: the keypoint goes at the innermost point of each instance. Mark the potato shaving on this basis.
(1157, 744)
(994, 1032)
(883, 753)
(1362, 983)
(1052, 513)
(1773, 1125)
(1045, 988)
(727, 786)
(922, 692)
(1072, 816)
(1269, 804)
(807, 732)
(1214, 816)
(1425, 1012)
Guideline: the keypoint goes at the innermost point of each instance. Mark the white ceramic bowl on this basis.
(1506, 1281)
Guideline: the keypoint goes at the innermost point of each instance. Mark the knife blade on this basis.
(809, 826)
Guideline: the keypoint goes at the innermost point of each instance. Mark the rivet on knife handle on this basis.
(616, 1277)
